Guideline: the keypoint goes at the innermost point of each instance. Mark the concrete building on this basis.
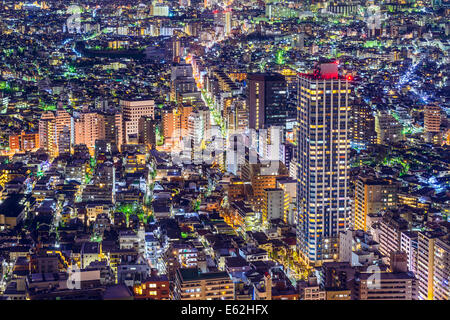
(371, 196)
(191, 284)
(323, 169)
(88, 129)
(267, 103)
(433, 268)
(273, 205)
(391, 227)
(386, 286)
(132, 111)
(388, 129)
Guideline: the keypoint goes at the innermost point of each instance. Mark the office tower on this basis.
(47, 133)
(388, 129)
(89, 128)
(132, 111)
(24, 142)
(363, 124)
(267, 103)
(273, 204)
(323, 148)
(371, 196)
(433, 263)
(146, 131)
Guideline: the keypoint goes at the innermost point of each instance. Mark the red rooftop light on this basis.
(349, 77)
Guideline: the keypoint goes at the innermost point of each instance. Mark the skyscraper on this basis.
(267, 95)
(323, 170)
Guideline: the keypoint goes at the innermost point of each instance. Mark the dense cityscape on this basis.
(224, 150)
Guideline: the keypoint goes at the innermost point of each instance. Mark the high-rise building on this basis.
(289, 186)
(168, 126)
(371, 196)
(267, 100)
(89, 128)
(391, 227)
(56, 131)
(176, 124)
(47, 133)
(273, 204)
(238, 116)
(323, 150)
(409, 245)
(24, 142)
(388, 129)
(132, 111)
(432, 118)
(182, 81)
(146, 133)
(363, 124)
(228, 19)
(432, 124)
(113, 128)
(65, 141)
(433, 263)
